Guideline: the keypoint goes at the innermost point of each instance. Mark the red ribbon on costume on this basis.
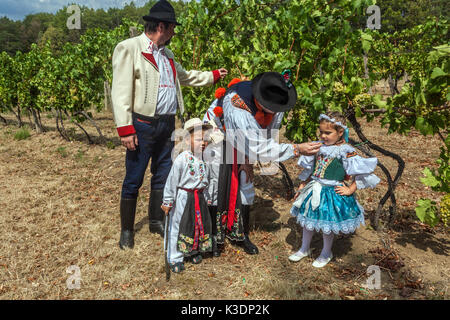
(233, 192)
(198, 225)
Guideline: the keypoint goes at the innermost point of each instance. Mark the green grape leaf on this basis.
(429, 180)
(426, 212)
(437, 72)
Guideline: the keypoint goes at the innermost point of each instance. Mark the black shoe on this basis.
(155, 213)
(157, 227)
(127, 214)
(126, 239)
(248, 246)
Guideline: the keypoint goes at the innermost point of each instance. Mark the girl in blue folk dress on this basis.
(323, 202)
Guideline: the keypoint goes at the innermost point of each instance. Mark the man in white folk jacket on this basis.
(146, 92)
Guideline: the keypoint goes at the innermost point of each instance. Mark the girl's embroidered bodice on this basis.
(329, 168)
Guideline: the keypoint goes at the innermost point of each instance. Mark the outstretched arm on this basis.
(171, 186)
(195, 78)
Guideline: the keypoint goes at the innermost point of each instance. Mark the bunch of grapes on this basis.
(301, 116)
(338, 87)
(362, 100)
(445, 209)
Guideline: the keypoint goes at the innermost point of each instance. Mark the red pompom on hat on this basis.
(218, 111)
(234, 81)
(220, 92)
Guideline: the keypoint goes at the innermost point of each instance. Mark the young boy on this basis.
(184, 199)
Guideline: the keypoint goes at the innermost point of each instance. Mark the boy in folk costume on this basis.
(184, 199)
(248, 107)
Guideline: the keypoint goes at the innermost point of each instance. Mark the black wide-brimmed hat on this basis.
(274, 92)
(162, 11)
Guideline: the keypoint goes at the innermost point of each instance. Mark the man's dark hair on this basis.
(151, 26)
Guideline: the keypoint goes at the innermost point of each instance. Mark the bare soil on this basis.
(60, 207)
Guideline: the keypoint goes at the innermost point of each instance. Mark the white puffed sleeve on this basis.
(362, 169)
(173, 179)
(307, 163)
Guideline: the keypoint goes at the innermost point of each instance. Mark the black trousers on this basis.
(154, 138)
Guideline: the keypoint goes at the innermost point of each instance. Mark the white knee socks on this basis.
(327, 245)
(306, 240)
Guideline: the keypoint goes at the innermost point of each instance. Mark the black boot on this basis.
(127, 214)
(155, 213)
(248, 246)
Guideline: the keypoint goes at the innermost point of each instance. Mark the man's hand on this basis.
(223, 73)
(248, 169)
(307, 148)
(130, 142)
(166, 210)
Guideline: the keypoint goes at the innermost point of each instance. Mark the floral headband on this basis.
(338, 123)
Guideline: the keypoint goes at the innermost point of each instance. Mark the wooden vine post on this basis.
(107, 93)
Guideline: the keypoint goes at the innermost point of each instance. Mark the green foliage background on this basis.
(322, 42)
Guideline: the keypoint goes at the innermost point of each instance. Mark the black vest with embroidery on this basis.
(244, 90)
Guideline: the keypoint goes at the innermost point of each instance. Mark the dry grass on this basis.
(60, 207)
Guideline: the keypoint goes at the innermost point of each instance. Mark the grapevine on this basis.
(334, 60)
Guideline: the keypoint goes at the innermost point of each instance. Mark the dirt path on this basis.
(60, 207)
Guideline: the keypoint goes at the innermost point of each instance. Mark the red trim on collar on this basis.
(150, 58)
(172, 64)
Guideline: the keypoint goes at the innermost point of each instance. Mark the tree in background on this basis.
(397, 15)
(57, 38)
(10, 41)
(40, 27)
(32, 27)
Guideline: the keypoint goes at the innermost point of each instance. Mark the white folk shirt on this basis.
(167, 92)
